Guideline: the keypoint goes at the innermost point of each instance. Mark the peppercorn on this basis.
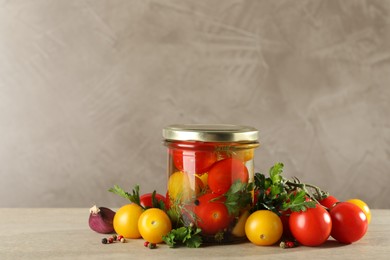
(287, 244)
(114, 237)
(119, 237)
(152, 245)
(104, 241)
(110, 240)
(122, 240)
(146, 244)
(290, 244)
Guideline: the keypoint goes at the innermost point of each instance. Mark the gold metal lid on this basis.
(210, 133)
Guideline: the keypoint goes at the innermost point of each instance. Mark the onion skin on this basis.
(100, 220)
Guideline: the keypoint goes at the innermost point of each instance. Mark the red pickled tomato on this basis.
(211, 213)
(224, 173)
(193, 161)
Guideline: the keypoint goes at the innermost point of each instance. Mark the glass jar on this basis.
(210, 178)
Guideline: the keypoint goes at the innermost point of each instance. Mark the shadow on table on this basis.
(332, 244)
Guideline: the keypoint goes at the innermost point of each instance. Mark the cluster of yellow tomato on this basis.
(132, 221)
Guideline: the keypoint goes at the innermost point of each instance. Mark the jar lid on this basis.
(210, 133)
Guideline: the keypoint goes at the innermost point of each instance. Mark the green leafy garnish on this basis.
(297, 202)
(134, 197)
(157, 203)
(188, 236)
(238, 197)
(277, 193)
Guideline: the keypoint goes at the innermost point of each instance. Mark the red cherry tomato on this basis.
(193, 161)
(329, 202)
(224, 173)
(211, 216)
(311, 227)
(146, 199)
(349, 222)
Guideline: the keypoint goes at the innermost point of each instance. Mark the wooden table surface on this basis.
(59, 233)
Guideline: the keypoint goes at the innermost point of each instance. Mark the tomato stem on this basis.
(298, 184)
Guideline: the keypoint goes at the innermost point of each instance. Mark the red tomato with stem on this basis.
(211, 213)
(193, 162)
(224, 173)
(311, 227)
(349, 222)
(329, 202)
(147, 202)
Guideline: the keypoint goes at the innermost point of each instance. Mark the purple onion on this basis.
(100, 219)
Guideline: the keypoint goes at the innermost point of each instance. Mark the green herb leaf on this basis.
(275, 173)
(277, 194)
(132, 197)
(259, 181)
(236, 187)
(169, 239)
(194, 242)
(187, 236)
(239, 196)
(157, 203)
(297, 202)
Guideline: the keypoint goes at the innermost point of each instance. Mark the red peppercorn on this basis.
(146, 244)
(119, 237)
(110, 240)
(290, 244)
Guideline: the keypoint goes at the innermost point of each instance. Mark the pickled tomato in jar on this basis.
(210, 173)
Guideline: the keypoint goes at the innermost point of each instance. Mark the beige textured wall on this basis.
(86, 87)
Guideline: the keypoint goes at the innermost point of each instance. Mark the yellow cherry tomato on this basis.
(363, 206)
(263, 228)
(183, 186)
(126, 221)
(239, 228)
(153, 224)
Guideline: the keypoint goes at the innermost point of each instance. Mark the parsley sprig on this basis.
(238, 197)
(277, 193)
(134, 197)
(187, 236)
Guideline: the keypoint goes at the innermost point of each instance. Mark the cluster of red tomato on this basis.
(346, 222)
